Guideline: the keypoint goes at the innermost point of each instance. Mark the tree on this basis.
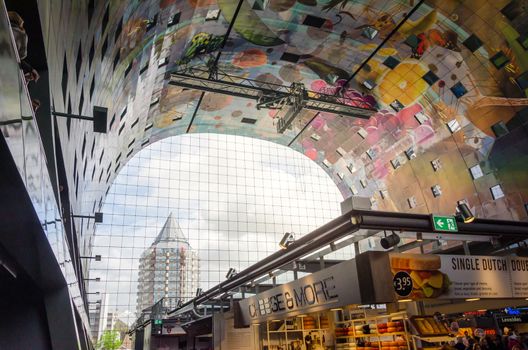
(110, 340)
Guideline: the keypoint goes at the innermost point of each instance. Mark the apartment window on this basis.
(496, 192)
(92, 53)
(212, 15)
(244, 120)
(398, 162)
(118, 30)
(112, 121)
(500, 129)
(134, 123)
(91, 8)
(371, 153)
(174, 20)
(104, 48)
(397, 105)
(421, 117)
(64, 82)
(93, 148)
(436, 164)
(121, 128)
(128, 69)
(152, 22)
(290, 57)
(341, 151)
(362, 133)
(75, 164)
(476, 171)
(144, 68)
(453, 126)
(81, 102)
(116, 59)
(437, 190)
(79, 62)
(83, 145)
(92, 87)
(163, 62)
(410, 153)
(314, 21)
(105, 19)
(68, 120)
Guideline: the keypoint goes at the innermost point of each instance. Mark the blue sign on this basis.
(512, 311)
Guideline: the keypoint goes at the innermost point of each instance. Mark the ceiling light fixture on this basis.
(404, 300)
(390, 241)
(472, 299)
(419, 237)
(231, 273)
(465, 212)
(287, 239)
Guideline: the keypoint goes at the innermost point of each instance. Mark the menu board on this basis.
(519, 276)
(418, 276)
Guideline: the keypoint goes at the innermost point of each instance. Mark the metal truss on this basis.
(289, 99)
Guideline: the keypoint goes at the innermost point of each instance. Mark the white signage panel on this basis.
(332, 287)
(519, 276)
(419, 276)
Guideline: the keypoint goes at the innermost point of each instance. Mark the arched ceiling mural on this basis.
(447, 79)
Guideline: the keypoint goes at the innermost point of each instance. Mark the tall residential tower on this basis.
(169, 268)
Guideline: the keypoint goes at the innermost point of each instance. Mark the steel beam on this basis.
(198, 79)
(347, 224)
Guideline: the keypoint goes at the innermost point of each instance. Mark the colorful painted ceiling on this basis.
(448, 80)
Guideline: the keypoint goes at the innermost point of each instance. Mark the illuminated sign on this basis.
(512, 311)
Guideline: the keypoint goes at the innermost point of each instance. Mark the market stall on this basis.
(326, 310)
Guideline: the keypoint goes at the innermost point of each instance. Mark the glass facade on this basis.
(233, 198)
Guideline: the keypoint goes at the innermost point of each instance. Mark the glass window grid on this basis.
(233, 198)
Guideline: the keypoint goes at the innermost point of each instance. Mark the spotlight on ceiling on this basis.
(390, 241)
(465, 212)
(495, 242)
(419, 237)
(231, 273)
(199, 291)
(287, 239)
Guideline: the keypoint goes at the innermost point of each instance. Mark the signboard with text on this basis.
(460, 276)
(332, 287)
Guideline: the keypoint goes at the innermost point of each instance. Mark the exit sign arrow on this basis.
(444, 223)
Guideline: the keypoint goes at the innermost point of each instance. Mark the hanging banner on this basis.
(418, 276)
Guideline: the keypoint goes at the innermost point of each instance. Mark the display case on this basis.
(382, 332)
(296, 333)
(429, 333)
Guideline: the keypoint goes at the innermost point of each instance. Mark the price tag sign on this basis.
(402, 283)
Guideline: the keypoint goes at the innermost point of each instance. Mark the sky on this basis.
(233, 197)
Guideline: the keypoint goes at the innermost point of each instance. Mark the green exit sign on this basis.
(445, 223)
(158, 321)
